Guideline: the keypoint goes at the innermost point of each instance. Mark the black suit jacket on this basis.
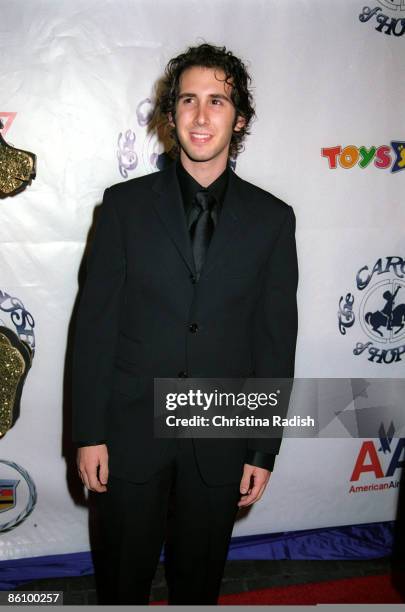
(140, 297)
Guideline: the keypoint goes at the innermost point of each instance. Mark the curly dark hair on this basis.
(236, 75)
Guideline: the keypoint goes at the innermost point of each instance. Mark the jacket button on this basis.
(193, 327)
(182, 374)
(193, 278)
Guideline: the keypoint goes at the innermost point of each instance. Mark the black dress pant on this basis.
(176, 507)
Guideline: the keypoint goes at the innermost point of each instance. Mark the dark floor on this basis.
(239, 576)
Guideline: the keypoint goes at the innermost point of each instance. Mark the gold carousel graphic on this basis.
(17, 348)
(17, 168)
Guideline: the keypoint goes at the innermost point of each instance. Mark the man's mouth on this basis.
(200, 138)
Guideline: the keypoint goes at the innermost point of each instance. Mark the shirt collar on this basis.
(189, 186)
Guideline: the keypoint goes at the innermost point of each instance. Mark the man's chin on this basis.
(198, 156)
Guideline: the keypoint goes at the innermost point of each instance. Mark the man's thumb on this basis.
(245, 482)
(103, 474)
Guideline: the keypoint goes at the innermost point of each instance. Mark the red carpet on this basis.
(365, 589)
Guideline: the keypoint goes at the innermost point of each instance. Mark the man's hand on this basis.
(252, 494)
(92, 463)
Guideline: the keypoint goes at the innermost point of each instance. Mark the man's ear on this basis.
(171, 120)
(239, 123)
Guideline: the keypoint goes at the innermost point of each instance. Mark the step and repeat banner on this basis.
(77, 91)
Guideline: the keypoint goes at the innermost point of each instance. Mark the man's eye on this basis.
(187, 100)
(216, 101)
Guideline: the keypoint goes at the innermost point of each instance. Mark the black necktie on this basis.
(201, 226)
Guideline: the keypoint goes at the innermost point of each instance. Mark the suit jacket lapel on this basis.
(169, 207)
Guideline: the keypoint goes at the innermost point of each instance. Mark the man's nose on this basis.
(201, 117)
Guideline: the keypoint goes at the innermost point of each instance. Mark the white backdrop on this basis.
(77, 75)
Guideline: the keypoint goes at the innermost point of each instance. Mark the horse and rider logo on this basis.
(381, 311)
(389, 320)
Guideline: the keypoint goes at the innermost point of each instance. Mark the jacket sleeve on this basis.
(97, 327)
(276, 324)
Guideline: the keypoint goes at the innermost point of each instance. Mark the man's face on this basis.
(205, 115)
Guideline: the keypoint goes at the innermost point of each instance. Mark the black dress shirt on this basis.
(189, 187)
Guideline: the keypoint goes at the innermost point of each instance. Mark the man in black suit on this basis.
(192, 273)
